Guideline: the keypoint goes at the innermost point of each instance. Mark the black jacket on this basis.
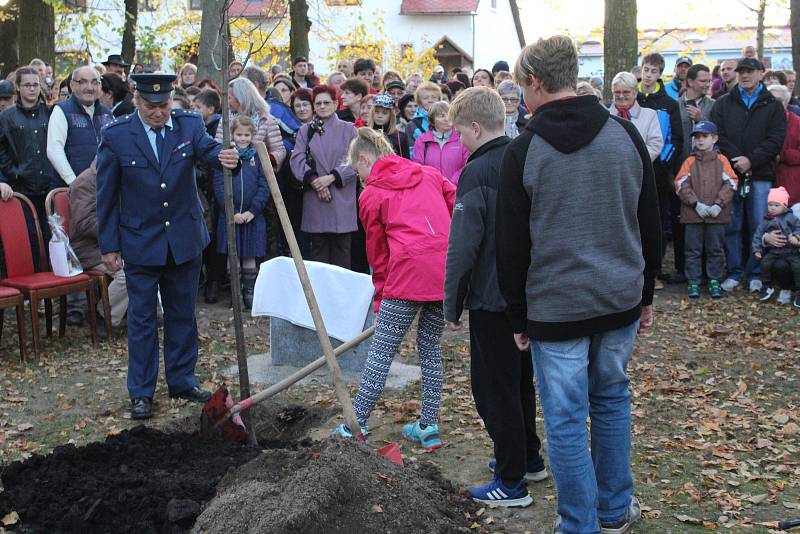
(572, 155)
(399, 142)
(661, 101)
(23, 149)
(757, 133)
(124, 106)
(471, 276)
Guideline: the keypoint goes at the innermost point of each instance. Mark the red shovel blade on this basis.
(216, 415)
(392, 453)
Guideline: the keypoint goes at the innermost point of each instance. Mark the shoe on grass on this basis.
(766, 293)
(535, 471)
(755, 286)
(785, 296)
(496, 493)
(427, 437)
(624, 525)
(730, 285)
(714, 289)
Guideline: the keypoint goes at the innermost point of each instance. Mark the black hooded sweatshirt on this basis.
(578, 231)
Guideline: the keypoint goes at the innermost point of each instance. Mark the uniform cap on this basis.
(154, 87)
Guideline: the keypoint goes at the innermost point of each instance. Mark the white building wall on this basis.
(420, 30)
(495, 35)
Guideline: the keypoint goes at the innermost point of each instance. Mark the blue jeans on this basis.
(578, 378)
(737, 238)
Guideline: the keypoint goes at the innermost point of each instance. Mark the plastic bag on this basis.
(63, 259)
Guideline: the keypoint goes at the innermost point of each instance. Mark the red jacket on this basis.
(406, 209)
(788, 170)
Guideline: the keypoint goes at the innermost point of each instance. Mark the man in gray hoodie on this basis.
(502, 375)
(578, 248)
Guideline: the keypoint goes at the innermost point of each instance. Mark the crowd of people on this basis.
(440, 188)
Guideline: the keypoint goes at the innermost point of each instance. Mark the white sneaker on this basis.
(755, 286)
(785, 296)
(730, 285)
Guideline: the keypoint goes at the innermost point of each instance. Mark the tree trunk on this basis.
(233, 258)
(762, 8)
(211, 60)
(9, 50)
(794, 23)
(299, 26)
(620, 40)
(129, 31)
(36, 31)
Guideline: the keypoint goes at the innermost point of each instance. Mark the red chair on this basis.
(36, 286)
(58, 202)
(12, 298)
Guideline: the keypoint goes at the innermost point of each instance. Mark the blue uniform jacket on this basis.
(146, 207)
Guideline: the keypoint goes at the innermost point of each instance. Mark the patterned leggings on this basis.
(394, 319)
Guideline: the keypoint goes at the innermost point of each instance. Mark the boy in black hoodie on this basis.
(576, 292)
(502, 375)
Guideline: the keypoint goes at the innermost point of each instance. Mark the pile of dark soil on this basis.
(335, 486)
(140, 481)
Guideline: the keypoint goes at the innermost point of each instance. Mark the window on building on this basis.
(196, 4)
(406, 50)
(146, 5)
(75, 4)
(494, 4)
(343, 2)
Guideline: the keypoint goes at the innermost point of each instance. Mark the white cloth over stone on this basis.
(344, 297)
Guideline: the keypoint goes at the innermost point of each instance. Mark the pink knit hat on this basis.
(779, 195)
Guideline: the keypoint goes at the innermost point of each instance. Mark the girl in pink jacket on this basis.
(405, 209)
(440, 147)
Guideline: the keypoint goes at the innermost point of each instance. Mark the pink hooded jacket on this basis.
(406, 209)
(449, 159)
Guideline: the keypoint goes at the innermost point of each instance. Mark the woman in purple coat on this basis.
(319, 162)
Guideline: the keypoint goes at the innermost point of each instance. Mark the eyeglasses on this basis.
(94, 82)
(29, 85)
(510, 100)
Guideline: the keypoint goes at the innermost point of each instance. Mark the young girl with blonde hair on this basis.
(405, 209)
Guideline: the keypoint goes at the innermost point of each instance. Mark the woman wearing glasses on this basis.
(515, 120)
(23, 144)
(329, 202)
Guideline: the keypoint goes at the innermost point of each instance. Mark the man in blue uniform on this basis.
(150, 222)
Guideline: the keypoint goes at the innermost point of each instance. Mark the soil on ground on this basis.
(144, 480)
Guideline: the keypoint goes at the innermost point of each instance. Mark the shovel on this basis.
(220, 412)
(221, 401)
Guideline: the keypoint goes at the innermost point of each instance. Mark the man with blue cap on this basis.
(150, 222)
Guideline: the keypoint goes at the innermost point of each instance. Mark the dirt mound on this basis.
(141, 480)
(336, 486)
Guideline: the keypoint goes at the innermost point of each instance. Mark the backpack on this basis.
(666, 132)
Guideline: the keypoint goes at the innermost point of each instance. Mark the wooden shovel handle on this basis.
(327, 349)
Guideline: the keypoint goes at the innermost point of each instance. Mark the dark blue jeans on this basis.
(746, 214)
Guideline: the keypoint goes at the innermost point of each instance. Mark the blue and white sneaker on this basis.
(344, 431)
(428, 437)
(536, 471)
(498, 494)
